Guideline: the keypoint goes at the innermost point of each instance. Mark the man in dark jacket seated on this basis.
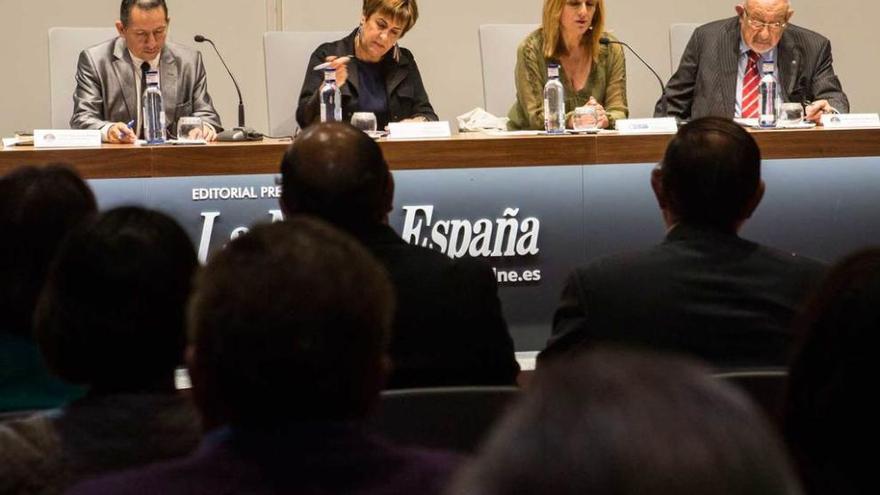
(448, 329)
(289, 326)
(704, 290)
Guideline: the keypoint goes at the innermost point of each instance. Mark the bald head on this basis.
(762, 22)
(336, 172)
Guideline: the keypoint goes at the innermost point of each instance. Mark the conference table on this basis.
(533, 207)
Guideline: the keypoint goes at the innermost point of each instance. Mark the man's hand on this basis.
(813, 112)
(206, 132)
(119, 133)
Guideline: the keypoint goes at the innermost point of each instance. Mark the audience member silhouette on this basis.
(449, 328)
(622, 422)
(828, 413)
(289, 328)
(704, 290)
(112, 318)
(38, 207)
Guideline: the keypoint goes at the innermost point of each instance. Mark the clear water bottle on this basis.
(554, 102)
(769, 99)
(331, 98)
(154, 110)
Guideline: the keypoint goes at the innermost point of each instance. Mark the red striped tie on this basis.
(751, 81)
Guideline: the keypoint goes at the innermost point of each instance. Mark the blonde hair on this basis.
(554, 46)
(404, 12)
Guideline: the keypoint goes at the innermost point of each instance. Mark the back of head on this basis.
(112, 313)
(336, 172)
(628, 423)
(711, 172)
(289, 323)
(38, 207)
(828, 410)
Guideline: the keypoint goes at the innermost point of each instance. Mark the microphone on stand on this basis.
(240, 133)
(607, 41)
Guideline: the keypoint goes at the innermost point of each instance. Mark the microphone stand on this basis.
(229, 135)
(663, 105)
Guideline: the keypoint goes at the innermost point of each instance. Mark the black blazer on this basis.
(709, 294)
(705, 82)
(448, 328)
(407, 97)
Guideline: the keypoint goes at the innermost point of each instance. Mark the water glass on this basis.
(190, 128)
(585, 118)
(364, 121)
(790, 115)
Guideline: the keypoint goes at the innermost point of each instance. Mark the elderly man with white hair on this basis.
(725, 60)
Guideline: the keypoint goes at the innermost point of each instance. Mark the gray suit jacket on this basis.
(106, 90)
(705, 82)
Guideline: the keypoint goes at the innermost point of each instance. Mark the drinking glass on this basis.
(790, 115)
(190, 128)
(585, 118)
(364, 121)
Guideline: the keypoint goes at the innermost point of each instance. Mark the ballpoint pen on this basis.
(343, 59)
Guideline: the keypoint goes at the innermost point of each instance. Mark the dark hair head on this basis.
(112, 313)
(289, 322)
(827, 409)
(711, 173)
(127, 5)
(38, 207)
(336, 172)
(622, 422)
(404, 12)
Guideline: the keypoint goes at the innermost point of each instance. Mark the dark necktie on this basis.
(145, 67)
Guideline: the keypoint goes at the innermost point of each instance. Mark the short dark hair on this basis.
(624, 422)
(289, 322)
(112, 314)
(338, 173)
(127, 5)
(38, 207)
(711, 172)
(832, 373)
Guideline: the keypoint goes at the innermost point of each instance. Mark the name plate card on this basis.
(666, 125)
(67, 138)
(850, 120)
(419, 130)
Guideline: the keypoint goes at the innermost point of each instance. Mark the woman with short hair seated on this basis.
(111, 318)
(591, 73)
(373, 72)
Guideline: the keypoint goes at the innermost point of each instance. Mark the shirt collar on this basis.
(137, 61)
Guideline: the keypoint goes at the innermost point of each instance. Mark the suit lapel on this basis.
(168, 79)
(122, 66)
(729, 67)
(396, 75)
(787, 65)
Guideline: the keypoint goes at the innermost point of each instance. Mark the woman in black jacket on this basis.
(373, 72)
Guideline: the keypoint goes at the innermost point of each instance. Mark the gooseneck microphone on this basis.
(607, 41)
(201, 39)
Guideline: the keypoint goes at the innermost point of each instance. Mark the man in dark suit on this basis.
(448, 328)
(110, 77)
(703, 291)
(289, 328)
(724, 60)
